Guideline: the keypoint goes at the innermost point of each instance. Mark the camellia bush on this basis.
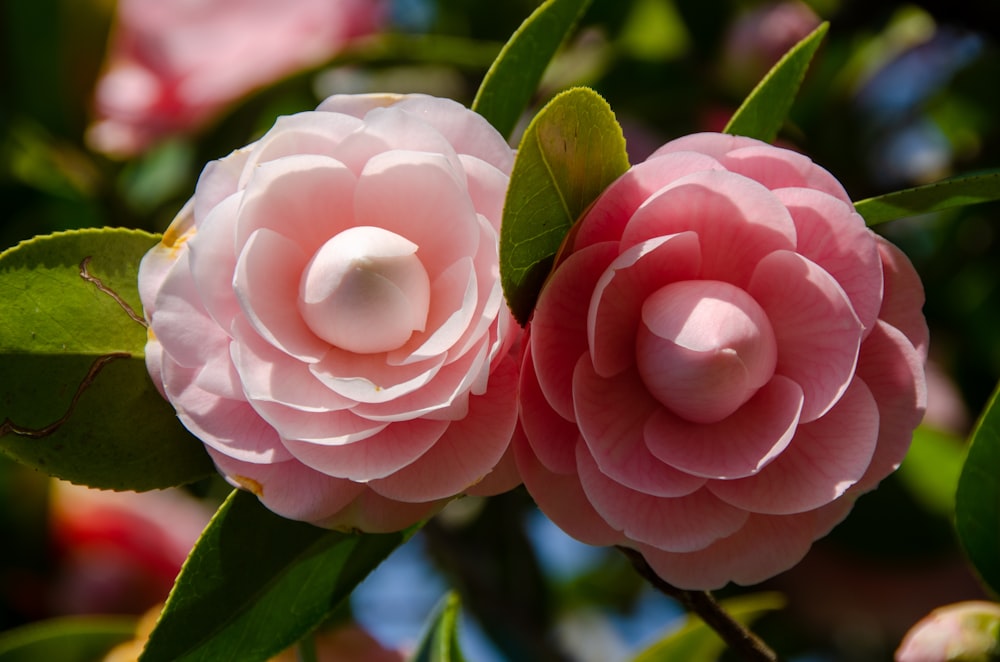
(387, 312)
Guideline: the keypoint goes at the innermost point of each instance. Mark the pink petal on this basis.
(904, 296)
(447, 387)
(333, 428)
(377, 456)
(160, 259)
(735, 447)
(766, 546)
(468, 450)
(715, 145)
(606, 219)
(503, 478)
(679, 524)
(737, 220)
(825, 458)
(420, 196)
(267, 286)
(776, 168)
(561, 498)
(290, 488)
(373, 513)
(552, 438)
(612, 415)
(307, 198)
(817, 332)
(894, 371)
(392, 130)
(213, 261)
(301, 133)
(270, 375)
(218, 180)
(616, 305)
(227, 425)
(834, 236)
(558, 326)
(453, 306)
(181, 323)
(366, 378)
(487, 188)
(469, 132)
(358, 105)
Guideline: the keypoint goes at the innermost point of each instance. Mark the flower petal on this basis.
(612, 415)
(468, 450)
(561, 497)
(616, 305)
(679, 524)
(267, 286)
(735, 447)
(552, 437)
(904, 296)
(817, 332)
(737, 220)
(835, 237)
(558, 326)
(825, 458)
(894, 371)
(776, 168)
(213, 261)
(377, 456)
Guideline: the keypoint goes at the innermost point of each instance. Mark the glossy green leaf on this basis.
(694, 640)
(571, 152)
(977, 501)
(440, 642)
(764, 111)
(959, 191)
(70, 639)
(513, 79)
(76, 401)
(255, 583)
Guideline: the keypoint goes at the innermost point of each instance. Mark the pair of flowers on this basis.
(722, 360)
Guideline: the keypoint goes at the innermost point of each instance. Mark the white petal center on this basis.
(365, 290)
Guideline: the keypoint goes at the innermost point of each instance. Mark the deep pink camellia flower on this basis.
(723, 359)
(173, 65)
(326, 314)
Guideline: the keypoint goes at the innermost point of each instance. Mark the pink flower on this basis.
(173, 65)
(326, 315)
(962, 631)
(724, 358)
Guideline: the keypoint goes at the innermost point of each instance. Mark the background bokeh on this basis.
(900, 94)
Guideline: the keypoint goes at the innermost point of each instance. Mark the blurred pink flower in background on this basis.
(722, 361)
(119, 552)
(962, 632)
(174, 65)
(326, 312)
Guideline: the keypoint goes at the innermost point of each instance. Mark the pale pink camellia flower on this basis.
(964, 631)
(174, 65)
(325, 313)
(723, 359)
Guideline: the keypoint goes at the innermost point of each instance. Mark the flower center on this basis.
(704, 348)
(365, 290)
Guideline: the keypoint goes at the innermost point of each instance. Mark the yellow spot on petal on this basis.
(250, 485)
(150, 334)
(176, 235)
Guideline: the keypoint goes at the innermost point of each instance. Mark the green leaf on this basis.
(440, 642)
(763, 112)
(694, 640)
(255, 583)
(514, 76)
(70, 639)
(76, 401)
(571, 152)
(977, 501)
(959, 191)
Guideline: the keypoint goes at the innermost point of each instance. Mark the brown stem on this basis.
(741, 640)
